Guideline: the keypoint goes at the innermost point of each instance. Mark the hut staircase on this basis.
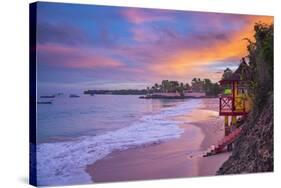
(220, 147)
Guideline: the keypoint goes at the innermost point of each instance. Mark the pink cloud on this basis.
(84, 58)
(93, 62)
(138, 16)
(55, 48)
(144, 34)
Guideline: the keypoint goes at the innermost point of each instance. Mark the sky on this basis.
(82, 47)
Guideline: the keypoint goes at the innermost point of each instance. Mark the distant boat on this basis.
(73, 96)
(47, 96)
(44, 102)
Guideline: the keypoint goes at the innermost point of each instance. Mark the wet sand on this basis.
(175, 158)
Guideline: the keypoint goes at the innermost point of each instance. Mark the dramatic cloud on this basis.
(125, 47)
(139, 16)
(220, 48)
(60, 33)
(80, 58)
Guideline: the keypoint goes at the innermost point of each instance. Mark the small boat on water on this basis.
(44, 102)
(74, 96)
(47, 96)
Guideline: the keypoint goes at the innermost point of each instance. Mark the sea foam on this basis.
(64, 163)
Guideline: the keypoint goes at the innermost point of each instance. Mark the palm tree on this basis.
(187, 86)
(194, 80)
(148, 90)
(156, 86)
(181, 85)
(165, 85)
(181, 89)
(161, 89)
(174, 85)
(207, 85)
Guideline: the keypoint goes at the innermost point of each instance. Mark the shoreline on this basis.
(175, 97)
(174, 158)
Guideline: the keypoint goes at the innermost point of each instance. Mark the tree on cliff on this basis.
(261, 65)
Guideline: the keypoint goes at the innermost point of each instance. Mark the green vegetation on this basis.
(260, 84)
(227, 91)
(197, 85)
(166, 86)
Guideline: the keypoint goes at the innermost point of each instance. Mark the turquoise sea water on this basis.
(74, 132)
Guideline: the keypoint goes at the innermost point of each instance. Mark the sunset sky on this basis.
(83, 47)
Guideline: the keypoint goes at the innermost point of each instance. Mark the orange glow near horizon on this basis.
(191, 61)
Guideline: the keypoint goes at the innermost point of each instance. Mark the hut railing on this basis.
(228, 105)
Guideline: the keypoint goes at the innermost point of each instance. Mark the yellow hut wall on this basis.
(240, 97)
(235, 89)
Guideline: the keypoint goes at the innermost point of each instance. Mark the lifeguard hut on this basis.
(234, 101)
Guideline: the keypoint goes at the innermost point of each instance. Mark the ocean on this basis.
(75, 132)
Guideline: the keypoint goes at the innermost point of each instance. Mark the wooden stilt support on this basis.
(233, 120)
(232, 124)
(226, 126)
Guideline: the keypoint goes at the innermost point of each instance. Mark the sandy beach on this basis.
(174, 158)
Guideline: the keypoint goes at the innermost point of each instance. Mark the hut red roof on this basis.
(243, 69)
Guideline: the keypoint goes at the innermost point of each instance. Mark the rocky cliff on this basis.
(253, 151)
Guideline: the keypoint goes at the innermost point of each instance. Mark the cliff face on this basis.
(253, 151)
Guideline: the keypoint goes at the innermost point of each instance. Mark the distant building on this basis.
(171, 94)
(190, 93)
